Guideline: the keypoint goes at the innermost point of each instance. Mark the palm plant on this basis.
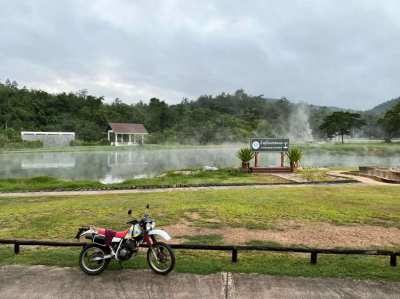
(245, 155)
(294, 155)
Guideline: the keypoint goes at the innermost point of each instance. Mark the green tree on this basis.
(390, 123)
(341, 123)
(227, 117)
(264, 129)
(158, 116)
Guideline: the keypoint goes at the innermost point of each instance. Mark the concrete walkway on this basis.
(51, 282)
(130, 191)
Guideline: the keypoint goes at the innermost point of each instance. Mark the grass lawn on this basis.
(316, 174)
(173, 178)
(58, 218)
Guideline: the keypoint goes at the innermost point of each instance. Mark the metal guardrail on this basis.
(233, 248)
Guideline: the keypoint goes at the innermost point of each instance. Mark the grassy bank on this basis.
(45, 183)
(359, 267)
(378, 148)
(172, 178)
(102, 148)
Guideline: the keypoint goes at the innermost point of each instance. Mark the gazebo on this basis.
(126, 133)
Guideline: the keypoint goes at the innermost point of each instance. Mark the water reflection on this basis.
(119, 165)
(48, 160)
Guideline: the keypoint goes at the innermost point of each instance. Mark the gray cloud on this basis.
(342, 53)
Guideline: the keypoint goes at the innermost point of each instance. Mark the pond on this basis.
(118, 165)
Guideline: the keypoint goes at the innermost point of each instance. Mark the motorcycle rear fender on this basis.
(159, 232)
(87, 232)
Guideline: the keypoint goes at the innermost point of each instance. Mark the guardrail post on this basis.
(16, 248)
(313, 258)
(393, 260)
(234, 255)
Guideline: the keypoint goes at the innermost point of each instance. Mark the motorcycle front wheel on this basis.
(91, 260)
(161, 258)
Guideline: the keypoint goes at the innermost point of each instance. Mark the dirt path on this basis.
(361, 179)
(52, 282)
(323, 235)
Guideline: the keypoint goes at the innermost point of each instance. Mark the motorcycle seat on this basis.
(121, 234)
(116, 234)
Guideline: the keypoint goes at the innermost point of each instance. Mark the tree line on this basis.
(208, 119)
(341, 123)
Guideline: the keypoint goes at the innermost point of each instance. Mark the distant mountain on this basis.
(330, 108)
(385, 106)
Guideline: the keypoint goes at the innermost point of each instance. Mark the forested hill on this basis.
(209, 119)
(385, 106)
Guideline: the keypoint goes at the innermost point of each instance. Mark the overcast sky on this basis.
(338, 53)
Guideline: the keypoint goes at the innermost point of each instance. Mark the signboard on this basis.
(269, 144)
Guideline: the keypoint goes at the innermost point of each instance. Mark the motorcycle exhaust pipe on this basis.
(108, 256)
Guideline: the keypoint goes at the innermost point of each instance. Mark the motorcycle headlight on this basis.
(150, 225)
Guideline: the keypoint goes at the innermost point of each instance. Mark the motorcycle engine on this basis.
(126, 251)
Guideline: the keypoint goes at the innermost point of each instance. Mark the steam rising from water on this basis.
(299, 126)
(118, 165)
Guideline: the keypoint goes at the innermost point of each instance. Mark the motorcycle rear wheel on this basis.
(86, 257)
(161, 258)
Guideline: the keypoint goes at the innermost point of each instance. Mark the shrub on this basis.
(3, 140)
(294, 155)
(79, 142)
(21, 145)
(31, 144)
(245, 154)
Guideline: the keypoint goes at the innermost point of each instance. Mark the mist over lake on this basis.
(136, 162)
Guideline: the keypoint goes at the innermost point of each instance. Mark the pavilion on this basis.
(126, 133)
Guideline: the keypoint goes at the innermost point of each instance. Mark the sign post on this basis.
(256, 159)
(258, 145)
(269, 144)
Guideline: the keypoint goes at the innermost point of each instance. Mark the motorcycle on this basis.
(123, 245)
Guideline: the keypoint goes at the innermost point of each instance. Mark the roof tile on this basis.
(128, 128)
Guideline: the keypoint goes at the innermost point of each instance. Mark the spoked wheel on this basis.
(161, 258)
(91, 260)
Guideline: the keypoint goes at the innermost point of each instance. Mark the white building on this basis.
(126, 133)
(49, 138)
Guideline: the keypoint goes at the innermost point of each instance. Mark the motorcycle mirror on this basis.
(129, 212)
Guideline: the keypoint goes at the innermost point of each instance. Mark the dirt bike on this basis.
(123, 245)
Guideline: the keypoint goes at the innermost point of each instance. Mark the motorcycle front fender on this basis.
(159, 232)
